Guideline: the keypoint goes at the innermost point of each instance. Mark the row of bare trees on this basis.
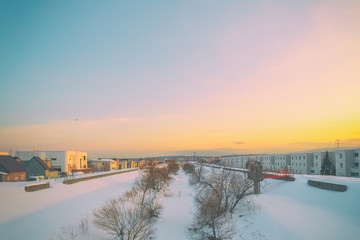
(133, 215)
(219, 194)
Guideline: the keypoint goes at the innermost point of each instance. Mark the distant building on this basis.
(282, 161)
(11, 169)
(37, 168)
(63, 161)
(104, 165)
(302, 162)
(237, 161)
(268, 161)
(318, 161)
(347, 162)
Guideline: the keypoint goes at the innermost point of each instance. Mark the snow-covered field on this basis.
(284, 210)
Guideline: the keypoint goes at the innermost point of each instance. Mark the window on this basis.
(53, 159)
(340, 156)
(304, 164)
(356, 164)
(316, 164)
(341, 165)
(316, 156)
(356, 154)
(354, 174)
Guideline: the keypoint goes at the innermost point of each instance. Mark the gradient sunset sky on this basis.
(149, 78)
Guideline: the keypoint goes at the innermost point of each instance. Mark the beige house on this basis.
(104, 165)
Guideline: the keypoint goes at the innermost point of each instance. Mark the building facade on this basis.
(104, 165)
(268, 161)
(63, 161)
(347, 162)
(11, 169)
(282, 161)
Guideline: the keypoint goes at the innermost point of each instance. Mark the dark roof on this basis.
(11, 165)
(37, 159)
(41, 162)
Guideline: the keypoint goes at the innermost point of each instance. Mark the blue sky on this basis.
(219, 62)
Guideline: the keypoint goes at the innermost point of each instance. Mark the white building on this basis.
(302, 162)
(282, 161)
(267, 161)
(237, 161)
(347, 162)
(64, 161)
(318, 161)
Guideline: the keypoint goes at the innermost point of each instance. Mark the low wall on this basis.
(289, 179)
(328, 186)
(75, 180)
(37, 186)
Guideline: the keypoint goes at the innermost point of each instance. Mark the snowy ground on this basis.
(177, 209)
(285, 210)
(295, 210)
(37, 215)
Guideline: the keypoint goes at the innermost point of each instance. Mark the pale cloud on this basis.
(238, 143)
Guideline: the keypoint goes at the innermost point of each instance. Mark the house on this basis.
(63, 161)
(104, 165)
(123, 163)
(11, 169)
(37, 168)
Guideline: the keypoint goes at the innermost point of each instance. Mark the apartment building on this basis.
(302, 162)
(267, 161)
(282, 161)
(237, 161)
(318, 161)
(347, 162)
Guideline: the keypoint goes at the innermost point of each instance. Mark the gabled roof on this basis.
(38, 159)
(10, 164)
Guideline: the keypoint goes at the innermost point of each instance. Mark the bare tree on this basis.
(67, 232)
(173, 166)
(142, 185)
(197, 174)
(211, 220)
(124, 219)
(219, 192)
(188, 168)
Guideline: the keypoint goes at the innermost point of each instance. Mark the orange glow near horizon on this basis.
(259, 78)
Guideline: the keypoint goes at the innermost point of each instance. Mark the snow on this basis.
(284, 210)
(177, 209)
(40, 214)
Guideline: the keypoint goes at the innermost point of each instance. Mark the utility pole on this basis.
(337, 143)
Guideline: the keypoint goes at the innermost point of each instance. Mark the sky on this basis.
(151, 78)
